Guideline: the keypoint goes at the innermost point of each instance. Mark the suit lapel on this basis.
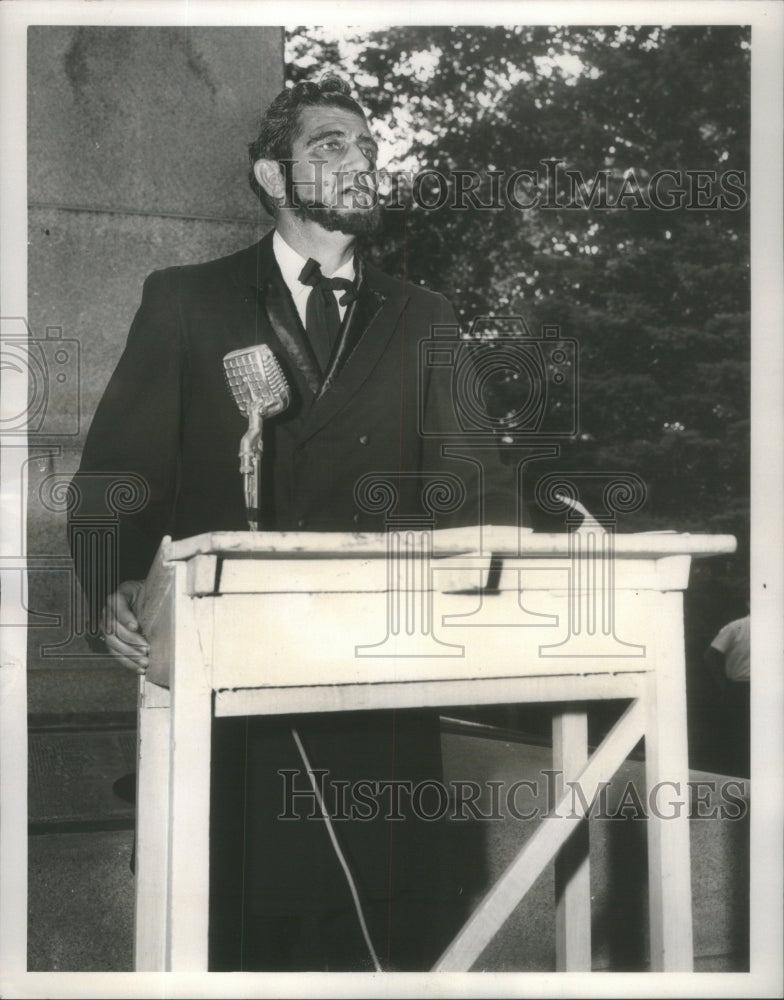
(285, 322)
(364, 338)
(358, 318)
(262, 270)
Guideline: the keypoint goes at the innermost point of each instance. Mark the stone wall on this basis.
(136, 160)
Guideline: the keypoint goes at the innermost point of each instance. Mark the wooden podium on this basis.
(262, 623)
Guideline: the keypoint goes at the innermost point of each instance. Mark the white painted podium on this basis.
(263, 623)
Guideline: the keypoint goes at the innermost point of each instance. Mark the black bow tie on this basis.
(311, 275)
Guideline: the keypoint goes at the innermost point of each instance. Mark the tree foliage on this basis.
(657, 299)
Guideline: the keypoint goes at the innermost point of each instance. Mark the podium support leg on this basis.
(152, 815)
(189, 793)
(667, 774)
(572, 863)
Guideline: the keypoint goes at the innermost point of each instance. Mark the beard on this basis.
(351, 221)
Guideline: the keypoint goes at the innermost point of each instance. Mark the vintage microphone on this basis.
(260, 390)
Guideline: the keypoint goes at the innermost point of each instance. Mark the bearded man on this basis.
(347, 339)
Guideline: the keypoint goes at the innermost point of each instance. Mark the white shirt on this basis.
(291, 264)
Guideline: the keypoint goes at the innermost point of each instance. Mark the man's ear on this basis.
(269, 174)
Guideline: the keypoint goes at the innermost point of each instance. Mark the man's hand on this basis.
(121, 629)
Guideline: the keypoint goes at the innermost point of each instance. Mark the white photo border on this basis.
(767, 268)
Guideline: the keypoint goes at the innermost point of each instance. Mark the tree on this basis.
(656, 297)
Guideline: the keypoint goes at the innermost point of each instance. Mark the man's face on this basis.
(332, 178)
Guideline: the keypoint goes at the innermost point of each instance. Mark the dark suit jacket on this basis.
(168, 417)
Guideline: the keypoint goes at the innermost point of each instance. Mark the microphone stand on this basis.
(259, 388)
(251, 447)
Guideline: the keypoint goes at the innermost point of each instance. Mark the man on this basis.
(728, 657)
(347, 338)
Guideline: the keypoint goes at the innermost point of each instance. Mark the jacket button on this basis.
(301, 523)
(363, 439)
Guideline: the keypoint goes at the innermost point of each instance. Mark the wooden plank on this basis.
(666, 770)
(156, 619)
(572, 864)
(450, 574)
(484, 691)
(189, 793)
(255, 636)
(541, 847)
(152, 825)
(156, 588)
(499, 539)
(203, 575)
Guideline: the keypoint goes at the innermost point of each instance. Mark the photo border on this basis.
(767, 545)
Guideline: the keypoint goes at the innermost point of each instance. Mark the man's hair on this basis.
(280, 123)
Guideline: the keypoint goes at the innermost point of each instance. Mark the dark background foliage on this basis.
(657, 300)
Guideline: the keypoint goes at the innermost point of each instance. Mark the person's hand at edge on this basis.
(122, 636)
